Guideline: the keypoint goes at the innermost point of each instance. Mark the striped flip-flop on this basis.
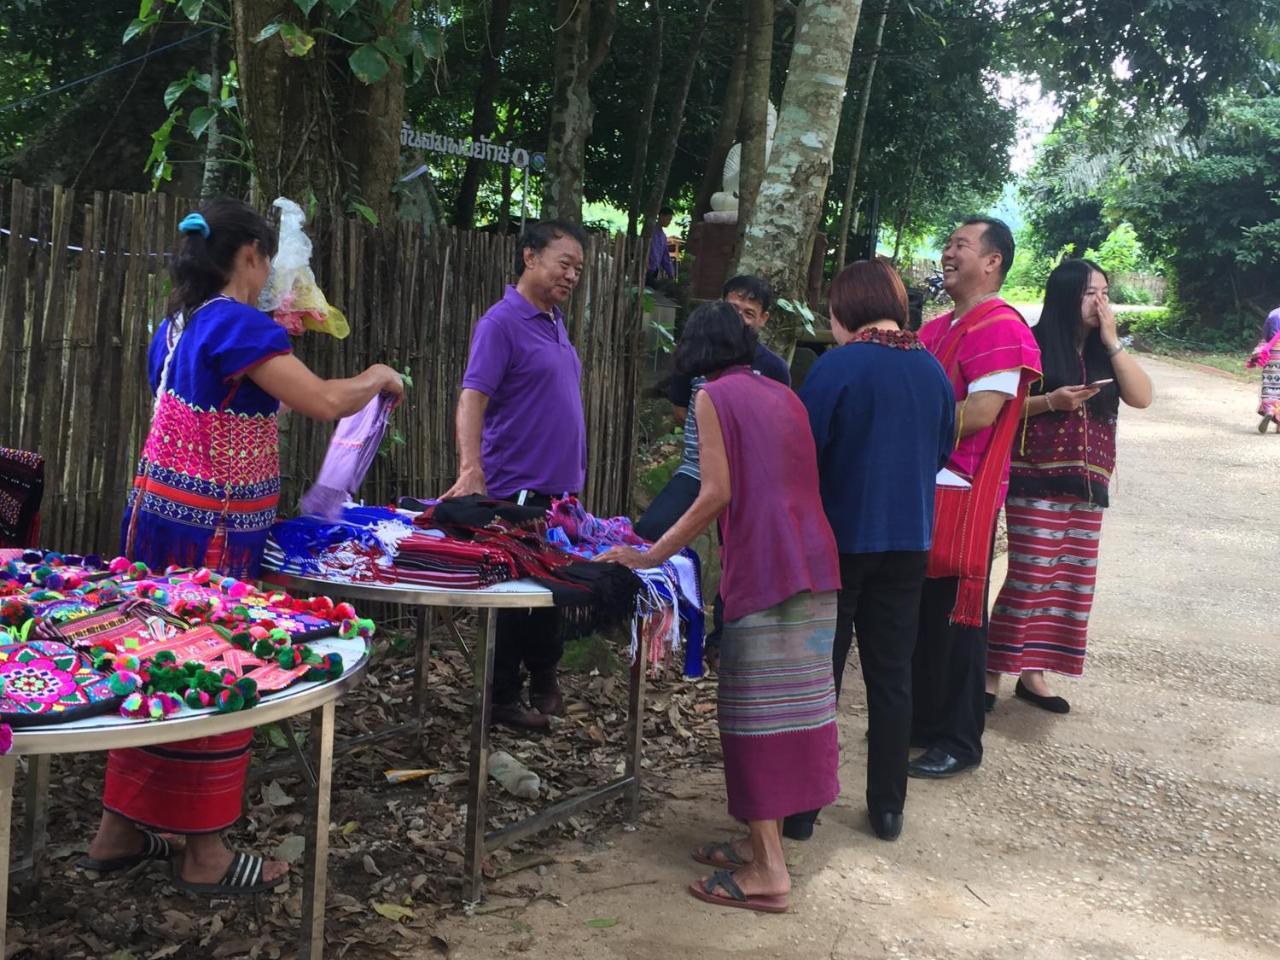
(154, 847)
(242, 878)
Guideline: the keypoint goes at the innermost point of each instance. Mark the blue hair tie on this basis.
(195, 223)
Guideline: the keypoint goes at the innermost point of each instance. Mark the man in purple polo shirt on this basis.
(522, 437)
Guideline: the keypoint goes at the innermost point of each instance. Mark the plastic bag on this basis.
(291, 294)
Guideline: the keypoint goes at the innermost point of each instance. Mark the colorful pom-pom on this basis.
(229, 700)
(239, 590)
(197, 699)
(124, 682)
(119, 565)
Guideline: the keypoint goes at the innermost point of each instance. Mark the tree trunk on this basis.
(484, 115)
(726, 130)
(585, 31)
(504, 212)
(370, 141)
(846, 208)
(755, 112)
(904, 211)
(675, 122)
(220, 177)
(795, 182)
(645, 126)
(288, 110)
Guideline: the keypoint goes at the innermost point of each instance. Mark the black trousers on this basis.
(880, 600)
(949, 675)
(668, 506)
(528, 638)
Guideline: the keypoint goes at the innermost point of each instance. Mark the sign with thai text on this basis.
(482, 149)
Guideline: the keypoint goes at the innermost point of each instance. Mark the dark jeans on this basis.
(880, 599)
(949, 675)
(669, 506)
(531, 638)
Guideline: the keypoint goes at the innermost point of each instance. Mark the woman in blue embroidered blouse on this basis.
(205, 495)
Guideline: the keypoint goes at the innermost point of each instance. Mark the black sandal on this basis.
(242, 878)
(154, 847)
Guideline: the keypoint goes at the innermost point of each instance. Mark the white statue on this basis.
(724, 205)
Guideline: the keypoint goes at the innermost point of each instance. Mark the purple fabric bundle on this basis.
(351, 451)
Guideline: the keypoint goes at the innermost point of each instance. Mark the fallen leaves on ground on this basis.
(395, 849)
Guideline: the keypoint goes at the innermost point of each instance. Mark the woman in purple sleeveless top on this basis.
(779, 575)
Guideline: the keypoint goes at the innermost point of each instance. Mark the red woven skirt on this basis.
(196, 786)
(1041, 618)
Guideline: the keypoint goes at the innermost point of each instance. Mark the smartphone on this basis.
(1101, 383)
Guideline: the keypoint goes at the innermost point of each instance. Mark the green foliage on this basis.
(221, 108)
(1143, 56)
(932, 90)
(1120, 252)
(1030, 270)
(1214, 219)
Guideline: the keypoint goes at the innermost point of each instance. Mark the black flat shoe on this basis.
(935, 764)
(886, 826)
(989, 701)
(1052, 704)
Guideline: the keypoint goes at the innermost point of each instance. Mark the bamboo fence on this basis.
(83, 280)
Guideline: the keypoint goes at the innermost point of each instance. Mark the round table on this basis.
(515, 594)
(112, 731)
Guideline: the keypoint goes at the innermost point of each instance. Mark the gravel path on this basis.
(1144, 825)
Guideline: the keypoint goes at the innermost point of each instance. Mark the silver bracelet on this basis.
(1119, 348)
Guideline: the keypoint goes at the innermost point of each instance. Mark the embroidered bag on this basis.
(134, 620)
(964, 520)
(44, 682)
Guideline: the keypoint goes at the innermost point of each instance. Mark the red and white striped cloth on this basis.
(1041, 618)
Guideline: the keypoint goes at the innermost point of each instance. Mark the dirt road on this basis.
(1144, 825)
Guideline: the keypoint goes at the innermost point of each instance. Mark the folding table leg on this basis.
(6, 813)
(421, 667)
(316, 863)
(478, 773)
(635, 727)
(35, 827)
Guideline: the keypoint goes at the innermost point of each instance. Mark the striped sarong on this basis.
(1041, 618)
(1269, 405)
(777, 709)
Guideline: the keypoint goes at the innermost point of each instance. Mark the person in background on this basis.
(991, 358)
(883, 420)
(206, 492)
(780, 576)
(660, 269)
(522, 436)
(1267, 356)
(752, 297)
(1058, 485)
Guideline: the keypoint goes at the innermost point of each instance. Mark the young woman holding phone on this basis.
(1058, 486)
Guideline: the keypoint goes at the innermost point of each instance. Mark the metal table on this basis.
(112, 731)
(517, 594)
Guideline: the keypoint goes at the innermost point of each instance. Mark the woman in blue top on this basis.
(883, 419)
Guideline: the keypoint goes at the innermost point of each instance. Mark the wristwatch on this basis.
(1118, 348)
